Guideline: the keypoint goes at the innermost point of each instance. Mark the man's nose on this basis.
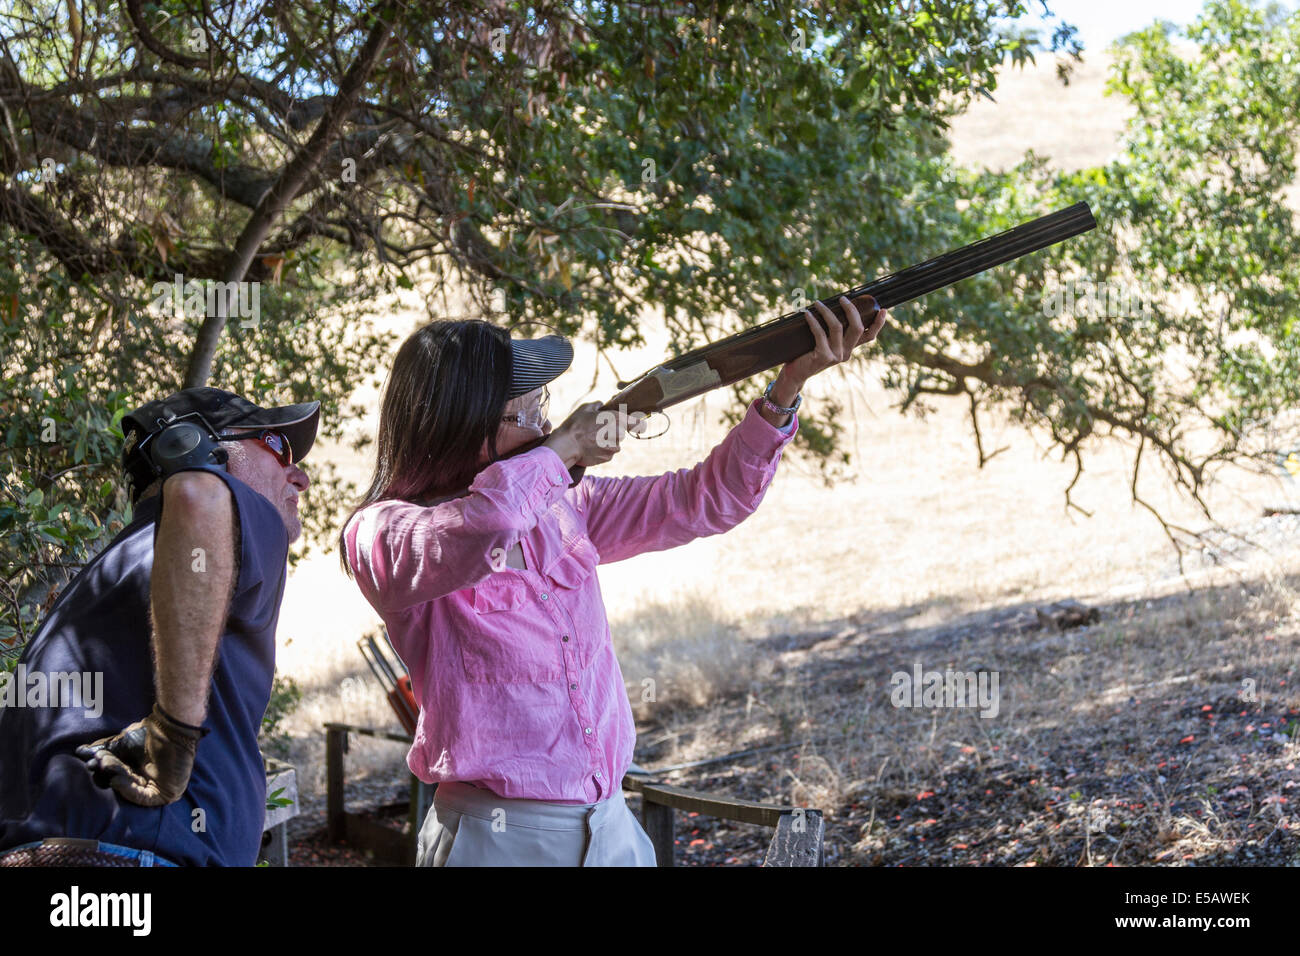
(546, 427)
(299, 478)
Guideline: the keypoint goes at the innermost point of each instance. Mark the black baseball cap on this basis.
(226, 412)
(534, 362)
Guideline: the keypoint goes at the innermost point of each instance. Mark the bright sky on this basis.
(1101, 21)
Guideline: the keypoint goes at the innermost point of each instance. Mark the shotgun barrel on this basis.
(773, 343)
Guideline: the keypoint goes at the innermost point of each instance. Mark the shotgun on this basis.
(774, 343)
(397, 689)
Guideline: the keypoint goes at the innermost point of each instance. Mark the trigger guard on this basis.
(659, 434)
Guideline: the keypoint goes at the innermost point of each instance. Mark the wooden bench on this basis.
(797, 840)
(283, 778)
(387, 845)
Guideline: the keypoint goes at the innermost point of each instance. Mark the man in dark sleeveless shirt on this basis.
(169, 635)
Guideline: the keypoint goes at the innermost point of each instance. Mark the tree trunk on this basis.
(279, 196)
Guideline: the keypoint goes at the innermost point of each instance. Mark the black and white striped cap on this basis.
(534, 362)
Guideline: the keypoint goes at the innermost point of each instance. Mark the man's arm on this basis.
(195, 568)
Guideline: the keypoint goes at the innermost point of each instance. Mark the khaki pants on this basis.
(468, 826)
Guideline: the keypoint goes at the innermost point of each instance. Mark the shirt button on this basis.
(597, 773)
(545, 596)
(573, 687)
(586, 730)
(565, 637)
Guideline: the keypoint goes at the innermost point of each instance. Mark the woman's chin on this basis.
(521, 437)
(505, 448)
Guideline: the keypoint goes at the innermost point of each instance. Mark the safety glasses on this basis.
(534, 416)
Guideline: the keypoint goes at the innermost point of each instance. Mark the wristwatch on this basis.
(767, 400)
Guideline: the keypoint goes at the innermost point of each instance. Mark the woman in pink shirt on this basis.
(492, 598)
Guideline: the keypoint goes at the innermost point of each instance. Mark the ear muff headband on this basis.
(182, 443)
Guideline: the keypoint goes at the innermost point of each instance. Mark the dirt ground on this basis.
(1164, 732)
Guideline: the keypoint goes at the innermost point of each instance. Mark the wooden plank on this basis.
(370, 732)
(336, 742)
(724, 808)
(658, 822)
(798, 839)
(275, 846)
(281, 776)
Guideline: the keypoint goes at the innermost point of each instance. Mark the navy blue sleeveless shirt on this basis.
(100, 625)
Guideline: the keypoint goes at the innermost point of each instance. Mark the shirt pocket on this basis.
(572, 568)
(573, 574)
(511, 640)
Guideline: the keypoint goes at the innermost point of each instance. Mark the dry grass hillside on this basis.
(1128, 740)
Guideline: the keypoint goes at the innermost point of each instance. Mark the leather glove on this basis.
(149, 762)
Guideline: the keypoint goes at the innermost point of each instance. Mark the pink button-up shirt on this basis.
(514, 670)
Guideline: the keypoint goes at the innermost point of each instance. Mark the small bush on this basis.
(285, 697)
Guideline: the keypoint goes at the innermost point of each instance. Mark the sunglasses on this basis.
(275, 441)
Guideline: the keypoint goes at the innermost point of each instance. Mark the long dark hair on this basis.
(445, 396)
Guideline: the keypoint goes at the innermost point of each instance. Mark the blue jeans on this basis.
(146, 857)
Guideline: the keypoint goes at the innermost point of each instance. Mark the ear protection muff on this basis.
(185, 444)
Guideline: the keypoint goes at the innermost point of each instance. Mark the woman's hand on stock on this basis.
(592, 437)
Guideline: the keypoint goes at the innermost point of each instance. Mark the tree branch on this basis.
(283, 192)
(157, 46)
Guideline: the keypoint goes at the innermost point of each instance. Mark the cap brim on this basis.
(298, 423)
(535, 362)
